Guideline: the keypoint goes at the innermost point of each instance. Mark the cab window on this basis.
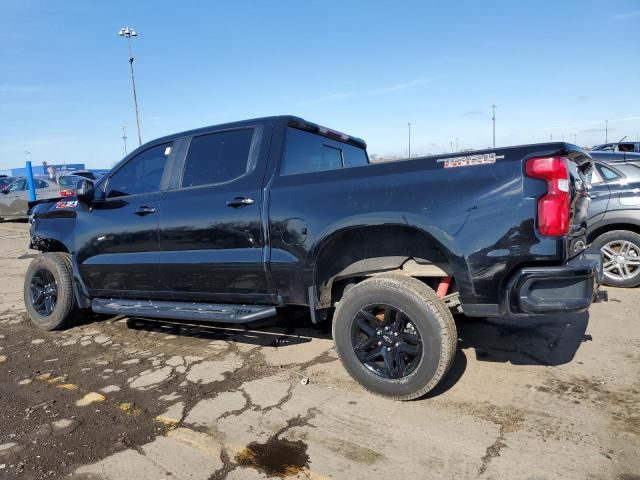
(141, 174)
(217, 157)
(626, 147)
(307, 152)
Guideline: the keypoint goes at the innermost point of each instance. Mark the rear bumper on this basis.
(571, 287)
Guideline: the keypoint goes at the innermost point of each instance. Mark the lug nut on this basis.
(388, 349)
(395, 334)
(397, 344)
(379, 332)
(379, 343)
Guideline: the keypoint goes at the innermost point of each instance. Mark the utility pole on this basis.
(606, 131)
(127, 33)
(575, 139)
(124, 139)
(451, 146)
(409, 125)
(493, 118)
(457, 148)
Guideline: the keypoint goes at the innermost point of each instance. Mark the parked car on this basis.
(68, 184)
(83, 173)
(229, 223)
(614, 216)
(14, 199)
(617, 147)
(5, 181)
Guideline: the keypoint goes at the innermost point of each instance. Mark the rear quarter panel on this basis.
(482, 215)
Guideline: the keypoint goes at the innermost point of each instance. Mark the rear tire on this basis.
(401, 355)
(621, 258)
(48, 291)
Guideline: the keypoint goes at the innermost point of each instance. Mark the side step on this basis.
(225, 313)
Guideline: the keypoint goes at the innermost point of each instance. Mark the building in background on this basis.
(41, 170)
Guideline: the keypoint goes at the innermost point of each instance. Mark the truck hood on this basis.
(54, 208)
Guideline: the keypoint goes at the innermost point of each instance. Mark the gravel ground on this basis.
(118, 398)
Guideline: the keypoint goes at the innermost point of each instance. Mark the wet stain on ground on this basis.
(277, 457)
(621, 405)
(509, 419)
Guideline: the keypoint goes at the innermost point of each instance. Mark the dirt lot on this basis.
(118, 398)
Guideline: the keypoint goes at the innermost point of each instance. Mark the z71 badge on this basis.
(67, 204)
(470, 160)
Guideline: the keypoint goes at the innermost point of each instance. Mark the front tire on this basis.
(621, 258)
(48, 291)
(394, 336)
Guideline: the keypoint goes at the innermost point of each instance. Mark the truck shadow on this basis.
(547, 340)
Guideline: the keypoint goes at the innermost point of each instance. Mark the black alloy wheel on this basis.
(386, 341)
(44, 292)
(48, 291)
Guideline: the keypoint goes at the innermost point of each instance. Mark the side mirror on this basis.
(5, 190)
(84, 191)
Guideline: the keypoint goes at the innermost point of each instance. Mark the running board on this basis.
(224, 313)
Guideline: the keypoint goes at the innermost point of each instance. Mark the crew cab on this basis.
(231, 222)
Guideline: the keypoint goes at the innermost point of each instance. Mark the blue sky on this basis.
(367, 68)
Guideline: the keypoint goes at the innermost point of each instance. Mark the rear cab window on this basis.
(308, 152)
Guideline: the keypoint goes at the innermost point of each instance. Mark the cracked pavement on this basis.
(119, 398)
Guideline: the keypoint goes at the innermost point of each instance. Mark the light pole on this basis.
(606, 131)
(409, 125)
(124, 139)
(128, 33)
(493, 119)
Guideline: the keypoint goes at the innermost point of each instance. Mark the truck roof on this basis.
(285, 120)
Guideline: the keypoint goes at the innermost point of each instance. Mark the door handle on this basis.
(239, 202)
(142, 211)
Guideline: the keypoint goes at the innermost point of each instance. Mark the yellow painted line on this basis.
(169, 421)
(56, 379)
(129, 409)
(90, 398)
(67, 386)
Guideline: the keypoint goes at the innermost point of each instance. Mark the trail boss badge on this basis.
(470, 160)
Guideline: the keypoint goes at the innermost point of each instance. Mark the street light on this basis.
(128, 33)
(493, 119)
(124, 139)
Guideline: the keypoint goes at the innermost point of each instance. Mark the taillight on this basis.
(67, 193)
(553, 207)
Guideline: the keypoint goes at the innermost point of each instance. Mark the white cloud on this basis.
(625, 16)
(6, 88)
(328, 98)
(398, 86)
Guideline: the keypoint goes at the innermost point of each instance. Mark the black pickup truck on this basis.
(231, 222)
